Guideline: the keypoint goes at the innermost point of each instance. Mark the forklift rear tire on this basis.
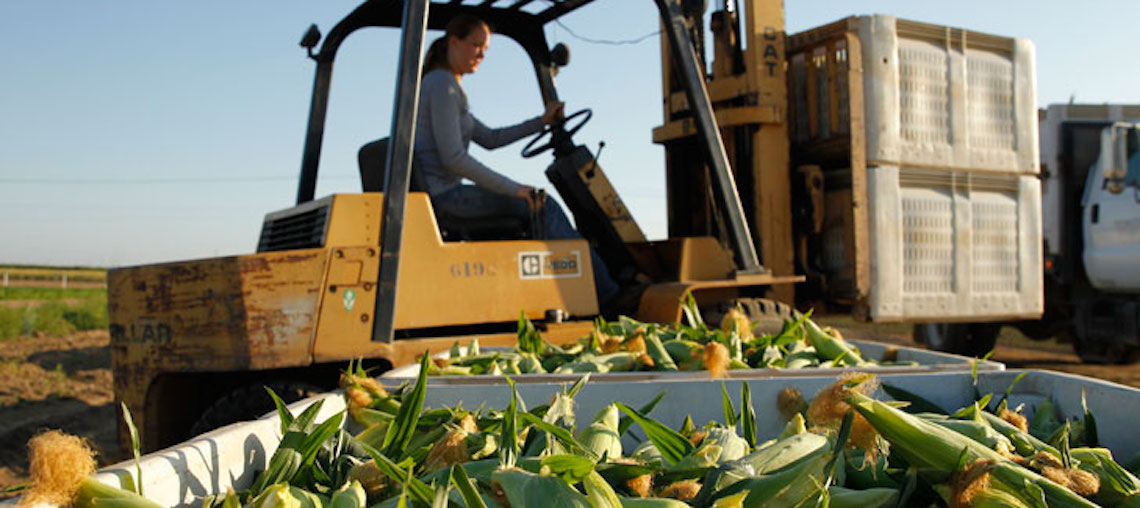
(249, 402)
(767, 316)
(1103, 353)
(968, 339)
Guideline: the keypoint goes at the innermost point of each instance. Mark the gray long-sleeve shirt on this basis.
(444, 129)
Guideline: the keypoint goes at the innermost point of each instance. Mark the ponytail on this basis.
(436, 56)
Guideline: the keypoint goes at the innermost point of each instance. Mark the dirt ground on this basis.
(65, 383)
(59, 383)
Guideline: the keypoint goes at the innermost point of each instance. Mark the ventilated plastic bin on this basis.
(928, 361)
(924, 141)
(1113, 405)
(233, 455)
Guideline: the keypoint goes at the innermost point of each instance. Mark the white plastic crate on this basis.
(928, 361)
(932, 96)
(954, 245)
(1112, 404)
(232, 456)
(927, 139)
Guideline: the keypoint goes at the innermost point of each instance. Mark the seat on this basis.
(370, 159)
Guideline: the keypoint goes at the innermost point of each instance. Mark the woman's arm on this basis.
(494, 138)
(445, 114)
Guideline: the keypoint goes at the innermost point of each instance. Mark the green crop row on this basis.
(52, 311)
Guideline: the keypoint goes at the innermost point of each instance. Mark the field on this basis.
(51, 301)
(63, 380)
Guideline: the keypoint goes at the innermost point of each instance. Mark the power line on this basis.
(610, 42)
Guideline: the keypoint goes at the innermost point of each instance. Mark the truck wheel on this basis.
(968, 339)
(249, 402)
(767, 316)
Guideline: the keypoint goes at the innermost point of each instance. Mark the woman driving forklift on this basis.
(445, 128)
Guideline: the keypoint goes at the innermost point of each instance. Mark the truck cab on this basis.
(1111, 216)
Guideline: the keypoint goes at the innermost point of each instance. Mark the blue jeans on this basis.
(473, 202)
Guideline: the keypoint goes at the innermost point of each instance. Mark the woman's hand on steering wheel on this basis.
(529, 151)
(554, 112)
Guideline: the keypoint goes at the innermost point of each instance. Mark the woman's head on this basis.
(460, 50)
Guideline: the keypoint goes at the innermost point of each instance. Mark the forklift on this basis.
(380, 276)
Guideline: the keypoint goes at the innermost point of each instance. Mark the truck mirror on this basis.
(1131, 163)
(1113, 152)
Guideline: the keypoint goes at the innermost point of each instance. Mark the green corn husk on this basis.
(978, 431)
(793, 486)
(733, 501)
(801, 360)
(647, 452)
(481, 361)
(997, 498)
(1045, 421)
(510, 366)
(599, 493)
(482, 470)
(281, 495)
(453, 370)
(698, 462)
(622, 361)
(530, 364)
(95, 493)
(651, 502)
(685, 353)
(601, 436)
(349, 495)
(774, 457)
(868, 498)
(771, 356)
(661, 358)
(1118, 487)
(495, 369)
(523, 488)
(832, 348)
(581, 367)
(732, 446)
(861, 473)
(936, 450)
(1023, 442)
(797, 425)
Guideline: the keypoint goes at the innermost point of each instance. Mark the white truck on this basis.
(1090, 181)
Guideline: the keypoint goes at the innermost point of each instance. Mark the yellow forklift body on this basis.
(276, 310)
(445, 283)
(251, 312)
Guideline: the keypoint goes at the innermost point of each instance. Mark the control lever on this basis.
(594, 164)
(537, 221)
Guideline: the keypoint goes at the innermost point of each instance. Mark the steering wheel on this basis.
(529, 150)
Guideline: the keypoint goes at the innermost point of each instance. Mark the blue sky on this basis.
(135, 132)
